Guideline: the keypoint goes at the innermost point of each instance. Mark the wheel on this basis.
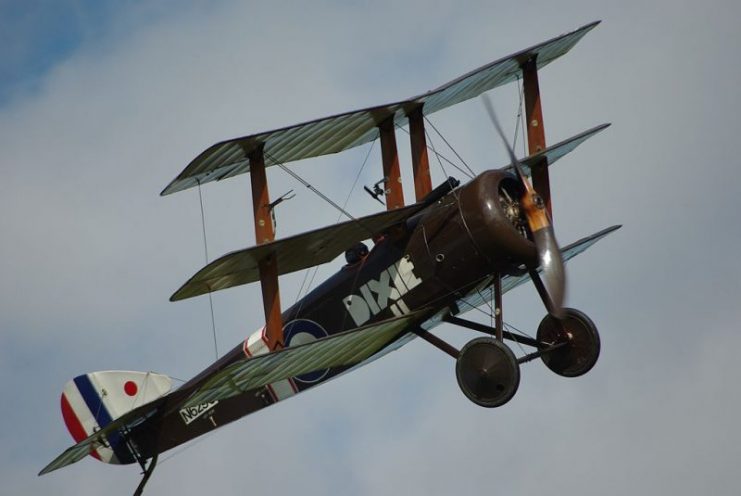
(487, 372)
(582, 351)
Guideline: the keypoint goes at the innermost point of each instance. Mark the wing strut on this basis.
(265, 233)
(390, 156)
(420, 161)
(536, 130)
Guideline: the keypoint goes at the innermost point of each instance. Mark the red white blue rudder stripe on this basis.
(91, 401)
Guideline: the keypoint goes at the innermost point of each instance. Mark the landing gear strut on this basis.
(488, 372)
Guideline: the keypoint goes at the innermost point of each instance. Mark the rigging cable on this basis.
(439, 161)
(472, 173)
(519, 120)
(312, 188)
(344, 205)
(205, 252)
(438, 154)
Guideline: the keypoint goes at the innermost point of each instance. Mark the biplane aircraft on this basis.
(457, 247)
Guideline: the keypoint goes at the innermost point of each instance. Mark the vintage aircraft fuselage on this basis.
(429, 261)
(434, 259)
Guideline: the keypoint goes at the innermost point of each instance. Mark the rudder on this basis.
(92, 401)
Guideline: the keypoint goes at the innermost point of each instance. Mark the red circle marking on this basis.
(130, 388)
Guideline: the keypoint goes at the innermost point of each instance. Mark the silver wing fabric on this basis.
(347, 130)
(293, 253)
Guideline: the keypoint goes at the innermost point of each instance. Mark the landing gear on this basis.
(579, 340)
(487, 372)
(147, 474)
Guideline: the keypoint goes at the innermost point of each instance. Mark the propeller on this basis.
(539, 221)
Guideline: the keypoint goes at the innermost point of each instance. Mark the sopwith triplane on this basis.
(408, 269)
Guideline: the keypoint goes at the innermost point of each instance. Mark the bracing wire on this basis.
(357, 176)
(522, 119)
(205, 254)
(315, 269)
(439, 161)
(308, 185)
(439, 155)
(518, 119)
(471, 173)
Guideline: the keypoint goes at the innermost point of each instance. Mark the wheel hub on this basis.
(487, 372)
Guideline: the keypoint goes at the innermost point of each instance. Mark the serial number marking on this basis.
(191, 413)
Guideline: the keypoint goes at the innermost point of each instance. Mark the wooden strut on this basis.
(264, 233)
(536, 130)
(420, 161)
(498, 317)
(437, 342)
(390, 156)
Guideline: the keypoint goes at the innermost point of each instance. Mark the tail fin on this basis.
(92, 401)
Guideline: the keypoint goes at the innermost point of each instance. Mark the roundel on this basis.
(302, 331)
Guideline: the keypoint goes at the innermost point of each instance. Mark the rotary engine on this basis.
(490, 207)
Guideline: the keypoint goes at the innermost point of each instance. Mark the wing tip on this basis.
(183, 294)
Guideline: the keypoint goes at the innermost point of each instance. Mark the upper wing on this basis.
(347, 130)
(338, 350)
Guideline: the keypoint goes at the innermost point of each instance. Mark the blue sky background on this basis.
(37, 35)
(103, 103)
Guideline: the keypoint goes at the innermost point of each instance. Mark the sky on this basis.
(103, 103)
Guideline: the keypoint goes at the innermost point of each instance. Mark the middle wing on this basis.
(293, 253)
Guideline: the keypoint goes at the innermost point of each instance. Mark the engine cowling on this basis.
(490, 208)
